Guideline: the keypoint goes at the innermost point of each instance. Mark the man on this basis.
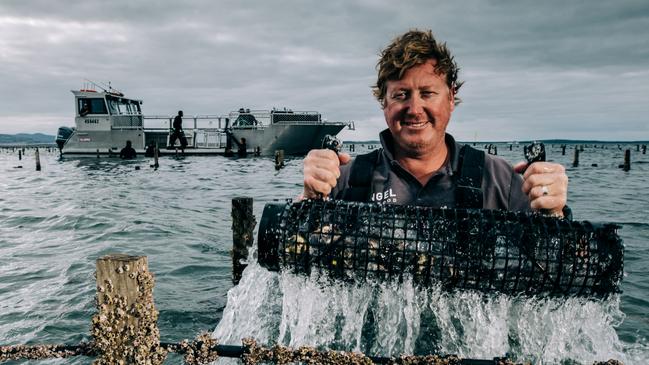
(178, 132)
(420, 164)
(150, 149)
(127, 152)
(85, 108)
(242, 150)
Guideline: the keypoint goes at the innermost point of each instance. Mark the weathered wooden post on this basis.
(279, 159)
(125, 328)
(156, 153)
(97, 152)
(644, 149)
(575, 162)
(37, 157)
(563, 150)
(495, 150)
(243, 224)
(20, 155)
(510, 147)
(627, 160)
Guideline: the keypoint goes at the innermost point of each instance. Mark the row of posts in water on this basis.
(492, 149)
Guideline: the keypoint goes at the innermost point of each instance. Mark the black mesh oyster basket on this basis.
(486, 250)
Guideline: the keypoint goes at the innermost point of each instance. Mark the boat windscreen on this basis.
(120, 106)
(91, 106)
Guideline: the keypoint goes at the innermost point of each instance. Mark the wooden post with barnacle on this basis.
(37, 157)
(125, 328)
(156, 152)
(243, 225)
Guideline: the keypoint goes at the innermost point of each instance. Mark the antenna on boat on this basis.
(96, 85)
(105, 88)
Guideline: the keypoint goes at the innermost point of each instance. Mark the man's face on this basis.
(417, 109)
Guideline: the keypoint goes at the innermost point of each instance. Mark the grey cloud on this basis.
(544, 69)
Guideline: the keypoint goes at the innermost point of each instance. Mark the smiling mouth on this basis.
(415, 124)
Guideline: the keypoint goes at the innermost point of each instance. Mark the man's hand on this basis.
(321, 172)
(546, 185)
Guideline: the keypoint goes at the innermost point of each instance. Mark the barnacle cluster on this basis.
(127, 333)
(431, 360)
(307, 355)
(40, 352)
(200, 351)
(310, 355)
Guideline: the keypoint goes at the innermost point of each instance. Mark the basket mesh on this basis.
(487, 250)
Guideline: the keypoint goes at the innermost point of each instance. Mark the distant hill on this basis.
(27, 138)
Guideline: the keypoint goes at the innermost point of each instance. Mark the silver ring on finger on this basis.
(544, 190)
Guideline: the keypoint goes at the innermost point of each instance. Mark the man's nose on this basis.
(415, 105)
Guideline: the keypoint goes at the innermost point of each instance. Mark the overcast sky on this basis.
(533, 69)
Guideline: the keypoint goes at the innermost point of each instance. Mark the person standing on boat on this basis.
(419, 163)
(127, 152)
(177, 132)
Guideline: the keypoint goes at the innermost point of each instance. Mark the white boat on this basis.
(106, 119)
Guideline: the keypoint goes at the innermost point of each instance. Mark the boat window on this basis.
(91, 106)
(120, 106)
(112, 106)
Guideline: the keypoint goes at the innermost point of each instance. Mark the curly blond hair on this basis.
(410, 49)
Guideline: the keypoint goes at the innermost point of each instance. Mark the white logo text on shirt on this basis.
(385, 197)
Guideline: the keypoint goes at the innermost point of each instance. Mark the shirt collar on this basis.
(387, 141)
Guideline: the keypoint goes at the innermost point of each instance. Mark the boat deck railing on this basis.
(218, 122)
(202, 131)
(197, 121)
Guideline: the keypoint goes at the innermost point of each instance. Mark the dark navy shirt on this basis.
(392, 184)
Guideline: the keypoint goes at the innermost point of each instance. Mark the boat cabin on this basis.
(106, 110)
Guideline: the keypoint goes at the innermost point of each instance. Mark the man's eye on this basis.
(401, 95)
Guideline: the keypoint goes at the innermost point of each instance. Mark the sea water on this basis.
(55, 223)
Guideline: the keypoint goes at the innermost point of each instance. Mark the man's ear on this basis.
(451, 100)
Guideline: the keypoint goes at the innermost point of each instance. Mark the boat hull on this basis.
(293, 139)
(104, 142)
